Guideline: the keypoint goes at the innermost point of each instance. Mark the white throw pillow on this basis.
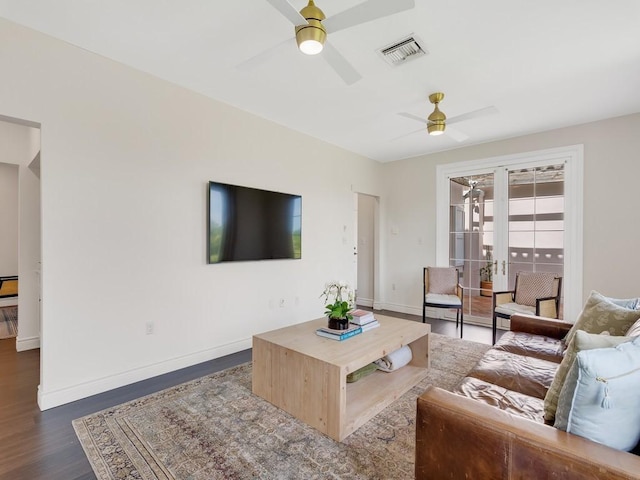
(581, 341)
(604, 403)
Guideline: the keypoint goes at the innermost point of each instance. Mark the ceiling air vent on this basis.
(402, 51)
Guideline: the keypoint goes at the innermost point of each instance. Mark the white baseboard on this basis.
(396, 307)
(365, 302)
(47, 400)
(27, 343)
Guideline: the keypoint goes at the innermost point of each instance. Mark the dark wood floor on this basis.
(473, 333)
(42, 445)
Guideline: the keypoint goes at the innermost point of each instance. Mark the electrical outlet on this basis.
(149, 328)
(282, 303)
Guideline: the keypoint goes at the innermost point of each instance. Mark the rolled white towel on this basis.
(395, 360)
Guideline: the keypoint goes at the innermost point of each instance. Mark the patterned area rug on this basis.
(8, 322)
(215, 428)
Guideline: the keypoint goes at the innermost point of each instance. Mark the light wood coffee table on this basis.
(306, 375)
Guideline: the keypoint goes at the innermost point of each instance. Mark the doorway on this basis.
(512, 214)
(20, 147)
(366, 249)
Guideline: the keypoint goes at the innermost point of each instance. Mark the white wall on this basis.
(611, 229)
(8, 216)
(124, 165)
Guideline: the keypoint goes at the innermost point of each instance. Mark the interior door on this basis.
(532, 220)
(365, 249)
(471, 240)
(536, 226)
(505, 221)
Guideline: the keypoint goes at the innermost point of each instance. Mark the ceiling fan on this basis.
(473, 190)
(437, 123)
(312, 29)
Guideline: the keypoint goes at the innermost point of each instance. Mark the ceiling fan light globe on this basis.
(311, 38)
(436, 128)
(310, 47)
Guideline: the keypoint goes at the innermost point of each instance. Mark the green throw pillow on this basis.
(601, 315)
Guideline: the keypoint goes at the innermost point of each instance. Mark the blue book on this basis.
(324, 332)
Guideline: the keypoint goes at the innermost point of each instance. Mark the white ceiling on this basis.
(542, 64)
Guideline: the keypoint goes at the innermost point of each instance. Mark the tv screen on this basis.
(252, 224)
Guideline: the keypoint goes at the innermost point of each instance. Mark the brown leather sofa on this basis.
(462, 435)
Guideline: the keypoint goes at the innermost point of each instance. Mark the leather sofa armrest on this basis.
(458, 437)
(548, 327)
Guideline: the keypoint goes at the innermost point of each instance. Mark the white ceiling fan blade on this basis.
(457, 135)
(288, 10)
(366, 12)
(450, 132)
(264, 56)
(340, 64)
(412, 117)
(407, 134)
(475, 114)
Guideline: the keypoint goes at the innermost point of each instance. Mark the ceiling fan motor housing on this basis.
(314, 31)
(437, 119)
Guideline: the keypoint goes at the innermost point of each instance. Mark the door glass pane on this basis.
(536, 220)
(471, 239)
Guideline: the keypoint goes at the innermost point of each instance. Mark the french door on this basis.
(511, 214)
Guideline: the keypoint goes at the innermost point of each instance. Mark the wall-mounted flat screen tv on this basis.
(252, 224)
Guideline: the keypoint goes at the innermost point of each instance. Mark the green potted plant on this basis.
(340, 299)
(486, 277)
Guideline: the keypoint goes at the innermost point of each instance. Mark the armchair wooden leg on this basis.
(495, 328)
(461, 321)
(423, 314)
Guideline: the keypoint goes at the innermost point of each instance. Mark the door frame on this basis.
(573, 158)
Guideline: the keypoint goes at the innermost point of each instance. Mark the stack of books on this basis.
(364, 319)
(339, 334)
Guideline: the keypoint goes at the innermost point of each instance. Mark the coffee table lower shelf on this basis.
(370, 395)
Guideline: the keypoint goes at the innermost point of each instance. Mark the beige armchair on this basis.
(442, 289)
(535, 293)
